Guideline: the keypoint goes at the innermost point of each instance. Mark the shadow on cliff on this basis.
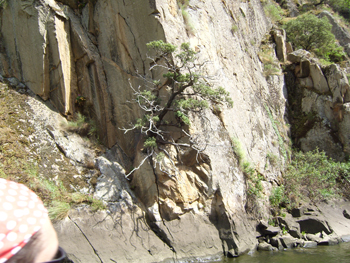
(225, 225)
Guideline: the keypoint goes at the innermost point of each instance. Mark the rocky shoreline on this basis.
(327, 223)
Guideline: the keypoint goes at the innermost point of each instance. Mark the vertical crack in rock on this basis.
(156, 229)
(95, 251)
(138, 50)
(225, 226)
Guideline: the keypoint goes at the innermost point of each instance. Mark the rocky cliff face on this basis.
(318, 105)
(95, 49)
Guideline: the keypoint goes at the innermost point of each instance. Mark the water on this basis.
(322, 254)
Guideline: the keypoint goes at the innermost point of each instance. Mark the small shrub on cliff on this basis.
(81, 125)
(267, 57)
(274, 12)
(314, 34)
(238, 150)
(234, 29)
(255, 186)
(277, 197)
(187, 19)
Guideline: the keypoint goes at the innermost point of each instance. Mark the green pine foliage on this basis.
(187, 91)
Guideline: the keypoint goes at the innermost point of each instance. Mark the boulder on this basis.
(263, 246)
(289, 48)
(298, 55)
(271, 231)
(345, 238)
(111, 183)
(279, 37)
(320, 136)
(112, 234)
(332, 211)
(313, 225)
(328, 241)
(338, 83)
(319, 81)
(263, 224)
(266, 230)
(291, 6)
(306, 82)
(304, 69)
(70, 144)
(13, 81)
(298, 212)
(313, 237)
(276, 242)
(309, 244)
(289, 224)
(289, 241)
(334, 241)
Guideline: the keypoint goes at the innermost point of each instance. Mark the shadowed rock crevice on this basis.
(224, 225)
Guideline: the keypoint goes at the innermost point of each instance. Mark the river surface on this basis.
(322, 254)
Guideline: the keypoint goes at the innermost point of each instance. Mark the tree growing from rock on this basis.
(186, 91)
(314, 34)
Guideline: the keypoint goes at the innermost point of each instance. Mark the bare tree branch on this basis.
(188, 91)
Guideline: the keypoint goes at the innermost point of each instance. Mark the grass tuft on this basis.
(58, 210)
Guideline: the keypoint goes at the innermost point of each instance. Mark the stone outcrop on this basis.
(308, 226)
(280, 40)
(319, 80)
(320, 96)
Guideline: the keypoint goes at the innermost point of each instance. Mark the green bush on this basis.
(234, 29)
(314, 176)
(255, 186)
(341, 6)
(277, 197)
(274, 12)
(238, 150)
(314, 34)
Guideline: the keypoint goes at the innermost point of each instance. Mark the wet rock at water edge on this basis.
(276, 243)
(309, 244)
(289, 241)
(263, 246)
(345, 238)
